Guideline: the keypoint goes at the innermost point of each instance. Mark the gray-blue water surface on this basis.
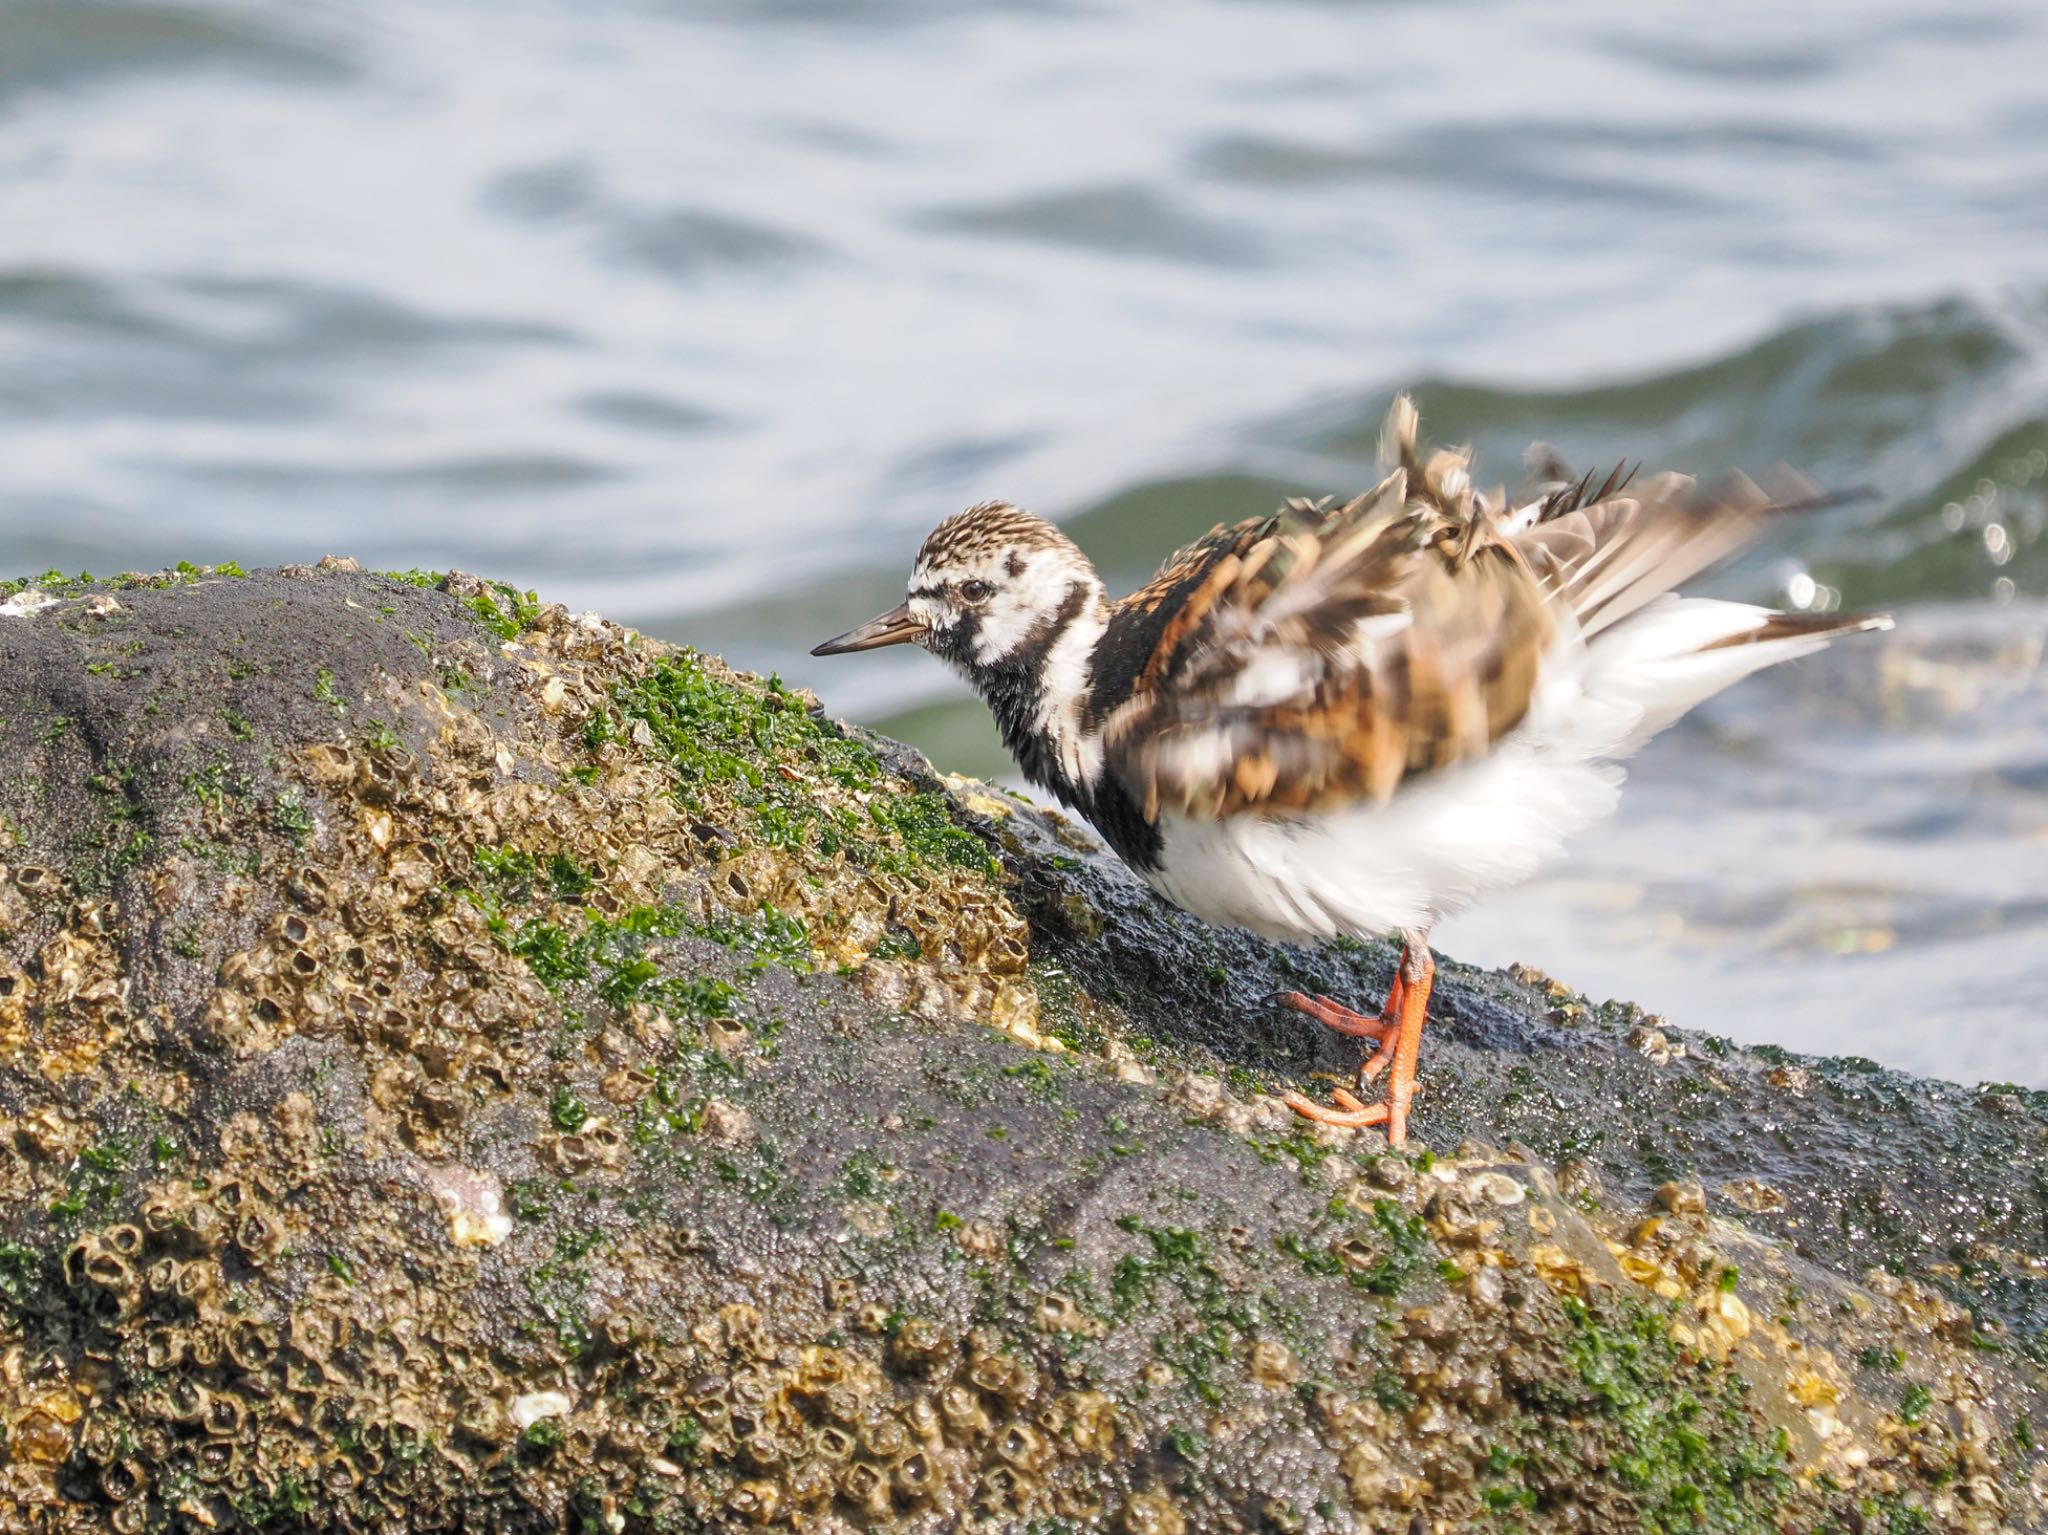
(702, 314)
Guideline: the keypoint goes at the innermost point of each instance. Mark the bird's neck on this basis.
(1038, 693)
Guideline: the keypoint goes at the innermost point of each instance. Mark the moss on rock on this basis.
(464, 1065)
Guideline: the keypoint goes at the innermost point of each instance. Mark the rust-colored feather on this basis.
(1332, 652)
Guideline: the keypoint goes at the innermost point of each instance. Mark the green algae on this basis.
(59, 583)
(923, 823)
(20, 1273)
(53, 581)
(566, 1111)
(1382, 1260)
(324, 691)
(427, 579)
(501, 608)
(1675, 1445)
(1689, 1458)
(712, 732)
(1914, 1401)
(1407, 1249)
(615, 955)
(763, 746)
(768, 935)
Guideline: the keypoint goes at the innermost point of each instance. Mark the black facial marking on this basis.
(1014, 564)
(1013, 688)
(955, 642)
(1032, 650)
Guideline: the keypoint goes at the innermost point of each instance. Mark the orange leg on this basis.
(1399, 1030)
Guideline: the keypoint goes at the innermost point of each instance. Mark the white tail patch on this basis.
(1677, 652)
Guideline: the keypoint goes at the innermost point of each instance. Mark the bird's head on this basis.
(992, 588)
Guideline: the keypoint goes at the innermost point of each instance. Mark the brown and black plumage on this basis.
(1350, 719)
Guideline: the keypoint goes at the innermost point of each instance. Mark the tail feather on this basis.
(1606, 559)
(1820, 626)
(1622, 549)
(1677, 652)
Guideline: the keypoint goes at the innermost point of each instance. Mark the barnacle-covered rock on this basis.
(467, 1065)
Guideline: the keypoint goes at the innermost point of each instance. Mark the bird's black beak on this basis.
(895, 627)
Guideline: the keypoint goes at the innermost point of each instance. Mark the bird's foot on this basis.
(1349, 1114)
(1399, 1031)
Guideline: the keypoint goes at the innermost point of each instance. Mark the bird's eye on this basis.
(976, 591)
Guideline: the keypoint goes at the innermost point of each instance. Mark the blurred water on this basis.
(702, 314)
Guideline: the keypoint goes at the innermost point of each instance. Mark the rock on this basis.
(1686, 1198)
(466, 1065)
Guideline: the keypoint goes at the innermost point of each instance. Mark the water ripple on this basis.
(65, 44)
(1118, 221)
(703, 315)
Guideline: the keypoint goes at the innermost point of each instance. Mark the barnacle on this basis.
(886, 1440)
(831, 1441)
(17, 993)
(919, 1344)
(1092, 1423)
(866, 1486)
(252, 1343)
(121, 1480)
(962, 1413)
(1021, 1446)
(756, 1502)
(1006, 1489)
(40, 1435)
(1000, 1375)
(1150, 1513)
(257, 1234)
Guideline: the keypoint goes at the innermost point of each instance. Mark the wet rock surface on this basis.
(464, 1065)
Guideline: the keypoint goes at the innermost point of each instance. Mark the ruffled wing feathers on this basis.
(1330, 652)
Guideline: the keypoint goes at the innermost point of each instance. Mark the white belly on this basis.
(1370, 869)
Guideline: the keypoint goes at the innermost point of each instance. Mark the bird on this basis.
(1352, 720)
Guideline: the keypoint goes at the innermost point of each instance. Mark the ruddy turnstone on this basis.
(1351, 720)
